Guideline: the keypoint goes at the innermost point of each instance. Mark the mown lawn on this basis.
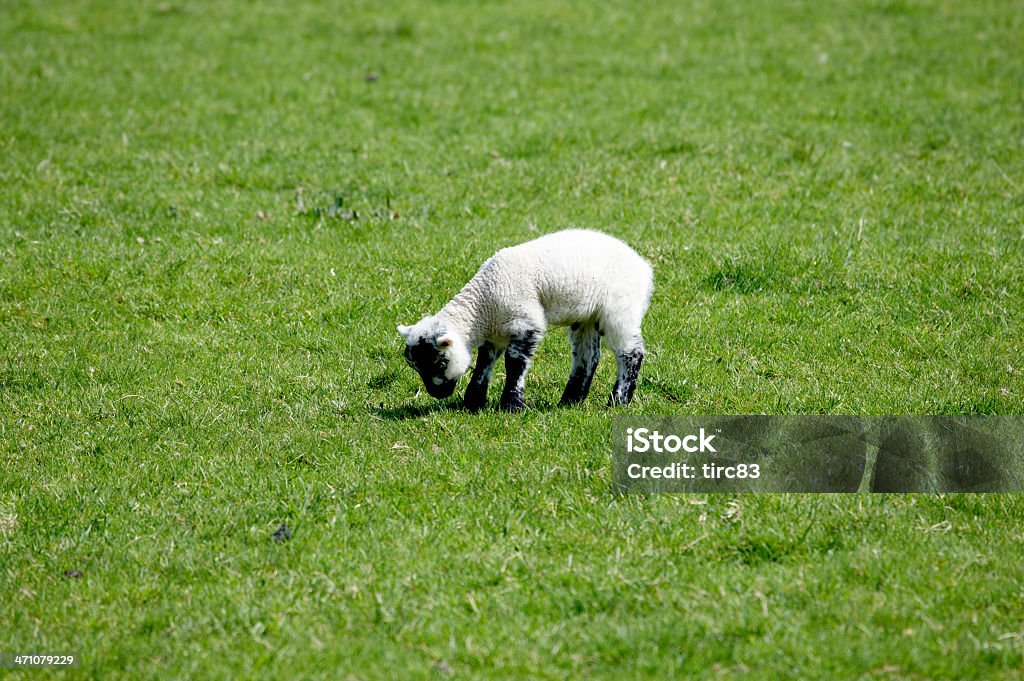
(213, 215)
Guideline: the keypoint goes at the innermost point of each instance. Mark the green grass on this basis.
(212, 216)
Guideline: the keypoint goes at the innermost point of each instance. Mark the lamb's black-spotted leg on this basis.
(586, 352)
(476, 392)
(629, 362)
(517, 363)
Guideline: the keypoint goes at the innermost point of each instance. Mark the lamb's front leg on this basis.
(517, 363)
(476, 392)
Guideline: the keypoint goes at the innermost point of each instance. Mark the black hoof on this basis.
(618, 401)
(513, 406)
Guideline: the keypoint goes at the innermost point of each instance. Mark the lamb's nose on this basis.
(440, 391)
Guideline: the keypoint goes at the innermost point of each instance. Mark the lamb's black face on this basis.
(431, 365)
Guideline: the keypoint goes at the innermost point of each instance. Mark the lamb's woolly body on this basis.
(559, 279)
(580, 278)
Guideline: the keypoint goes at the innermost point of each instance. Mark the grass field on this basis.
(213, 215)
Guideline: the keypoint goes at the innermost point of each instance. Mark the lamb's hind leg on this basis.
(629, 361)
(517, 362)
(586, 352)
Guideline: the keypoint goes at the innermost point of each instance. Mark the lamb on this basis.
(586, 280)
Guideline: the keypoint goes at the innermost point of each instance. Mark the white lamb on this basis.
(591, 282)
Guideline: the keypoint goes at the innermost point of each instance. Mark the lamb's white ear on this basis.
(443, 342)
(404, 330)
